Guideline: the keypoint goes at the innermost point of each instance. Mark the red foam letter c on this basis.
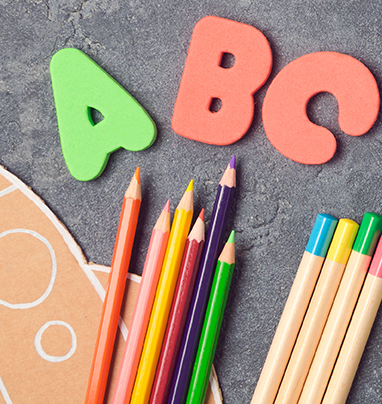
(284, 109)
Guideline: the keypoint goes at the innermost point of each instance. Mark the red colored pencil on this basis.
(178, 314)
(114, 294)
(142, 309)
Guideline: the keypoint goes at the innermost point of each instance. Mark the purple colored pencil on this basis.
(213, 244)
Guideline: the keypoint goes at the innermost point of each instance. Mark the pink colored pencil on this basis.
(142, 308)
(178, 314)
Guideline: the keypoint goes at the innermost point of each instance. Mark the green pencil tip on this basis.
(231, 238)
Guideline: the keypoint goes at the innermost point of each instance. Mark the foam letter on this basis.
(206, 80)
(284, 109)
(80, 85)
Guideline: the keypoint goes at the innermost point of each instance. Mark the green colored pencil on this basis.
(212, 323)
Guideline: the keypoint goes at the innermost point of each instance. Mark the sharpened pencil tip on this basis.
(190, 186)
(229, 176)
(197, 231)
(167, 206)
(163, 222)
(201, 215)
(228, 253)
(134, 189)
(187, 200)
(137, 174)
(231, 238)
(232, 163)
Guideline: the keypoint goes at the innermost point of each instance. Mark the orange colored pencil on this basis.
(142, 309)
(114, 294)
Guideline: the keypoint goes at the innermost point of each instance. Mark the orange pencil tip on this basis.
(134, 188)
(201, 215)
(137, 174)
(167, 206)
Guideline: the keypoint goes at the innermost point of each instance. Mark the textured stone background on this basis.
(143, 45)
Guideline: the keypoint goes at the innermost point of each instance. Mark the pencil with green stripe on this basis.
(212, 323)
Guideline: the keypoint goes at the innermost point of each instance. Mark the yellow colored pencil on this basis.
(163, 298)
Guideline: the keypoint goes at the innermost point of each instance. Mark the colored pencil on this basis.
(163, 299)
(212, 323)
(357, 333)
(342, 309)
(294, 310)
(317, 313)
(114, 293)
(178, 314)
(194, 322)
(142, 309)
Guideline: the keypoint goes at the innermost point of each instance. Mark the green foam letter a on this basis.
(80, 85)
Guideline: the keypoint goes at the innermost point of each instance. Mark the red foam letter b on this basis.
(206, 80)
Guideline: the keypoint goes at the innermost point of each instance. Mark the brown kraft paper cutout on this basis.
(50, 305)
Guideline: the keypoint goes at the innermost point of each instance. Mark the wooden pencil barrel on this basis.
(288, 328)
(355, 341)
(335, 328)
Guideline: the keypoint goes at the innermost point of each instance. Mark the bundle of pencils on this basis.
(179, 309)
(328, 315)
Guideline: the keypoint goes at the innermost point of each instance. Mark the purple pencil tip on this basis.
(232, 163)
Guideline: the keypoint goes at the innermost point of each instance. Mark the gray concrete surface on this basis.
(143, 45)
